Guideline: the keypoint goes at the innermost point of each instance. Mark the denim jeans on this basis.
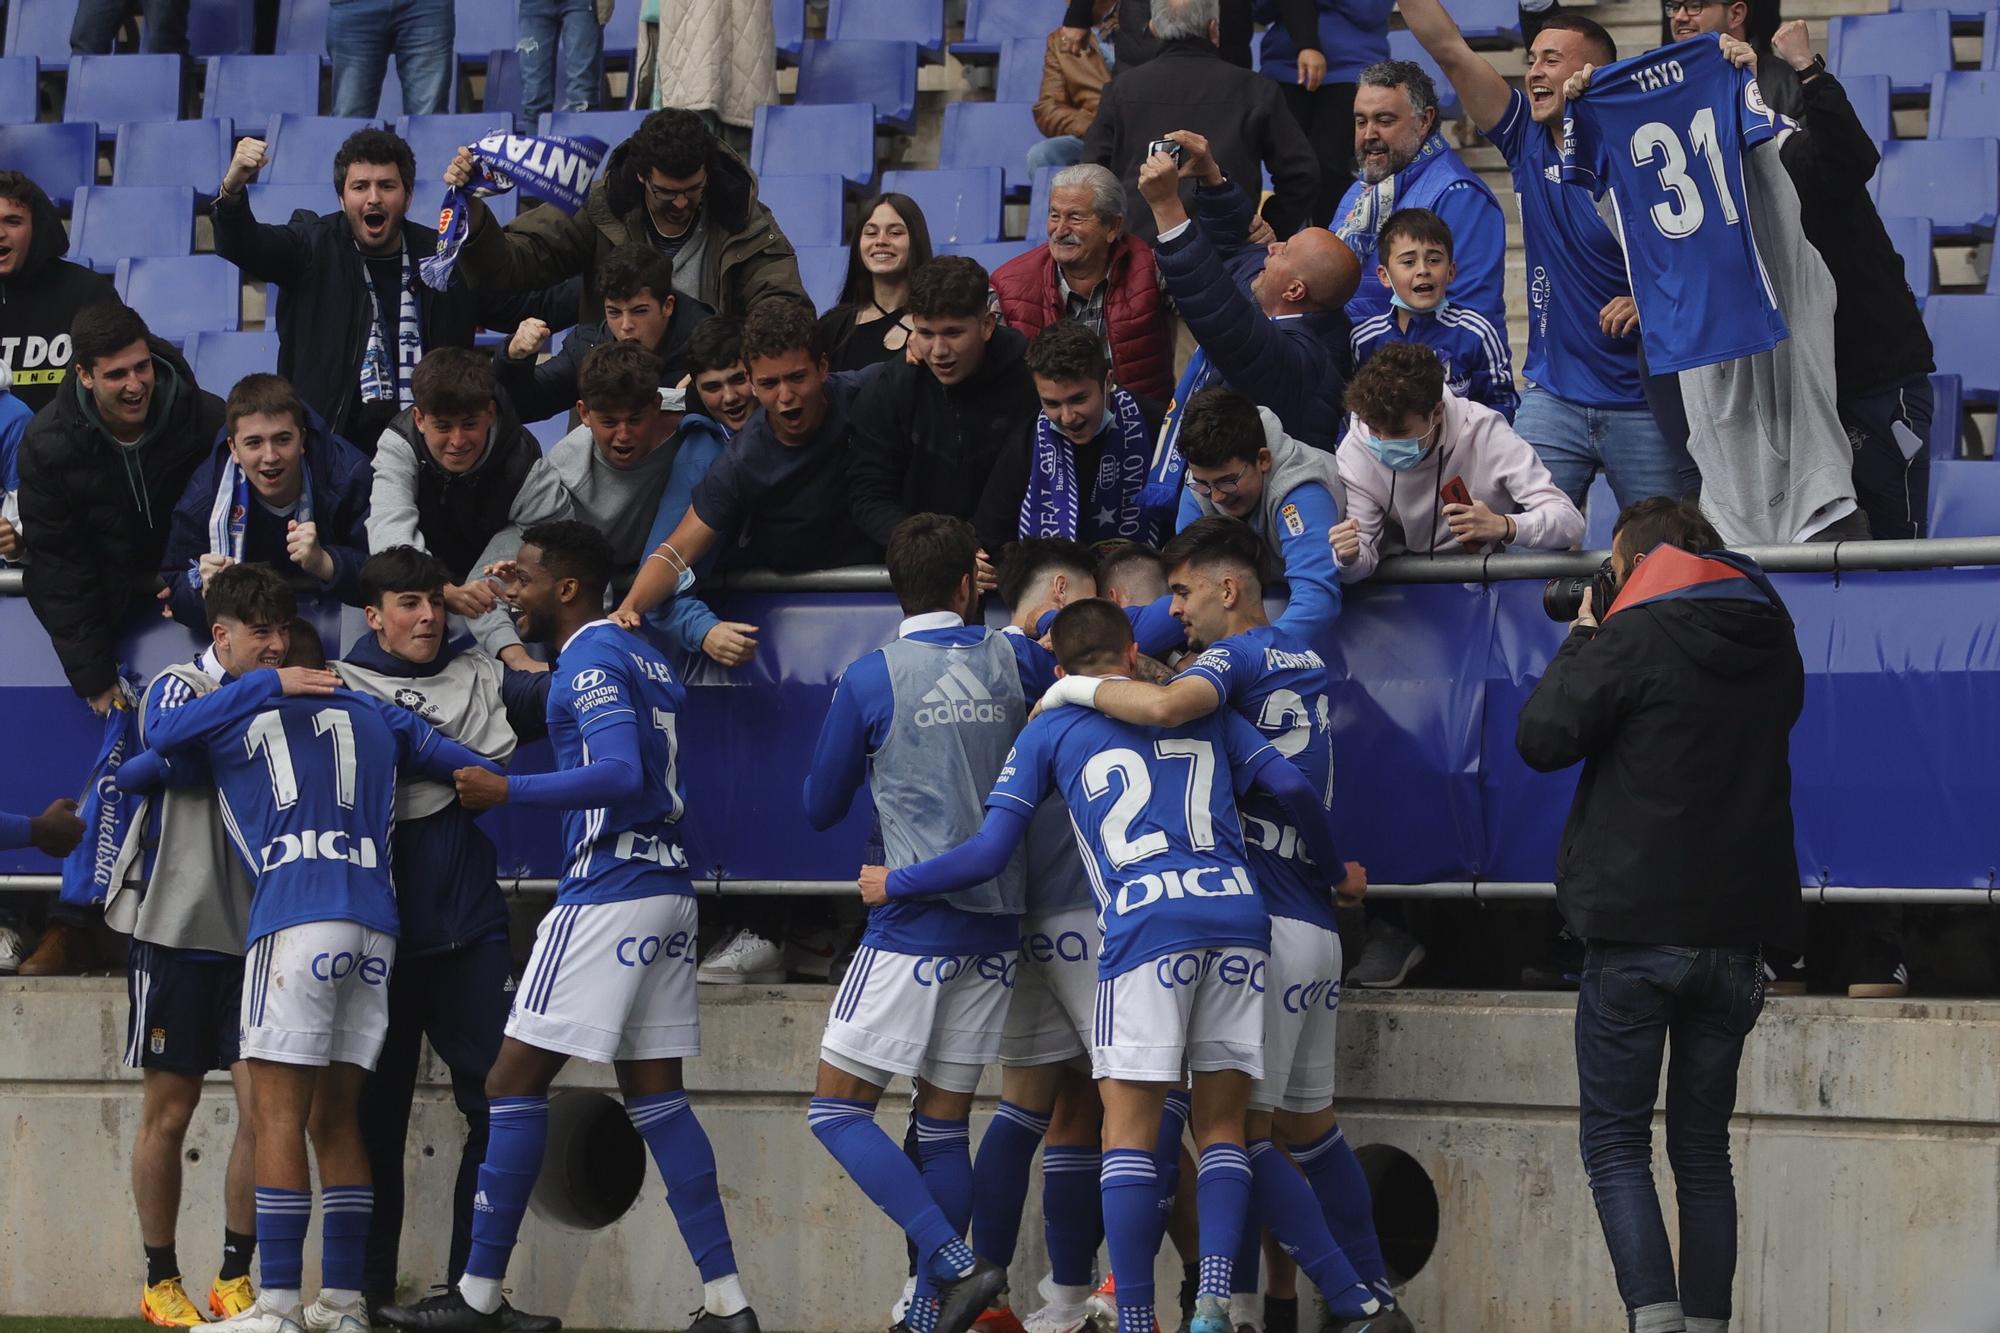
(1575, 443)
(572, 27)
(362, 34)
(1065, 150)
(95, 27)
(1695, 1005)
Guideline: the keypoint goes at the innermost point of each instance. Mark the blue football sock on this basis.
(1222, 1199)
(1342, 1189)
(922, 1316)
(1000, 1180)
(343, 1234)
(517, 1136)
(686, 1160)
(944, 1147)
(1130, 1182)
(1167, 1156)
(1248, 1264)
(848, 1130)
(1286, 1205)
(1072, 1214)
(282, 1219)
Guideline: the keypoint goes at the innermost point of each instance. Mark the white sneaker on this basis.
(11, 952)
(748, 959)
(810, 954)
(1058, 1319)
(263, 1317)
(902, 1305)
(324, 1317)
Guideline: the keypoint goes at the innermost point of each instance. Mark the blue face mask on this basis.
(1398, 455)
(1396, 300)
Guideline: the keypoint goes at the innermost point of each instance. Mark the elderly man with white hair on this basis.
(1094, 271)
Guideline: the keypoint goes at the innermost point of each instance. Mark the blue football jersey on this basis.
(1277, 683)
(1154, 811)
(1665, 133)
(631, 849)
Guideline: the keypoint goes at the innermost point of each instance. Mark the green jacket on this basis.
(747, 258)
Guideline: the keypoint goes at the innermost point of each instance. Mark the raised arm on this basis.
(1481, 90)
(1182, 699)
(660, 572)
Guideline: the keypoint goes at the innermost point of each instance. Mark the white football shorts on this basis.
(1301, 1013)
(1055, 990)
(612, 981)
(934, 1017)
(317, 993)
(1190, 1011)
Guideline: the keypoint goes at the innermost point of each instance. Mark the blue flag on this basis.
(110, 817)
(554, 167)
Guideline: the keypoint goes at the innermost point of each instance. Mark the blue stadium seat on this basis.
(823, 268)
(114, 222)
(40, 28)
(271, 202)
(301, 148)
(1038, 200)
(222, 27)
(621, 31)
(1965, 104)
(789, 18)
(1909, 48)
(113, 90)
(18, 103)
(184, 296)
(483, 26)
(992, 254)
(1955, 181)
(389, 107)
(61, 158)
(802, 140)
(991, 134)
(1403, 45)
(1487, 22)
(883, 74)
(193, 153)
(1870, 95)
(1964, 331)
(961, 205)
(1947, 417)
(918, 21)
(255, 88)
(1961, 11)
(1965, 498)
(612, 127)
(435, 140)
(808, 208)
(1912, 239)
(989, 23)
(503, 83)
(547, 432)
(1020, 77)
(302, 26)
(218, 360)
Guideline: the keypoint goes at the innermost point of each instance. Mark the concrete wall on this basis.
(1867, 1159)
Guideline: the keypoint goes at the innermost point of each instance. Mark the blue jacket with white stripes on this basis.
(1474, 353)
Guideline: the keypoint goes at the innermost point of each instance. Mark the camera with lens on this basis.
(1562, 598)
(1167, 146)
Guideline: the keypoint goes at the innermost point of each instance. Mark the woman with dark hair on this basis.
(869, 325)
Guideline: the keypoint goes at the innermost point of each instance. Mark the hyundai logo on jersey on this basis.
(1230, 968)
(1134, 894)
(587, 680)
(645, 950)
(372, 970)
(313, 845)
(1321, 994)
(944, 969)
(1068, 947)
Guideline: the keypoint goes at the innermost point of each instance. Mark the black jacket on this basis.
(545, 389)
(1878, 333)
(323, 312)
(1681, 709)
(97, 514)
(458, 513)
(38, 302)
(1243, 115)
(1134, 45)
(919, 447)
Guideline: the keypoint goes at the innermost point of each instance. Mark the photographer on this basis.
(1677, 861)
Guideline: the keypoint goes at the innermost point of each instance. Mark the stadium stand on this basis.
(40, 28)
(19, 103)
(1038, 200)
(503, 82)
(61, 158)
(483, 27)
(1020, 76)
(1964, 331)
(991, 134)
(808, 208)
(990, 254)
(218, 360)
(222, 27)
(114, 222)
(115, 90)
(991, 23)
(801, 140)
(1870, 95)
(1957, 179)
(253, 88)
(881, 73)
(301, 148)
(788, 17)
(183, 296)
(1909, 48)
(435, 140)
(822, 268)
(917, 21)
(274, 201)
(1965, 104)
(1912, 239)
(611, 127)
(962, 205)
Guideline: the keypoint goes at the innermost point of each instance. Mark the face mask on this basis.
(1399, 455)
(1396, 300)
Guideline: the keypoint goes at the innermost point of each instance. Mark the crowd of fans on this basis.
(1326, 359)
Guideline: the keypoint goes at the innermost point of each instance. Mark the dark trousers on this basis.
(95, 27)
(1891, 432)
(1327, 116)
(1693, 1005)
(458, 999)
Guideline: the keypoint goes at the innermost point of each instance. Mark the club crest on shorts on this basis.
(156, 1041)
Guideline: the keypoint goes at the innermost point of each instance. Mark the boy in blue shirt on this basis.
(1415, 264)
(1186, 940)
(305, 773)
(611, 977)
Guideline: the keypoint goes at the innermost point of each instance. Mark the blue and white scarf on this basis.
(383, 379)
(1169, 471)
(110, 817)
(1052, 506)
(229, 515)
(554, 167)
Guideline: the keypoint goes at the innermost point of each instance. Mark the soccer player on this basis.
(611, 977)
(305, 774)
(453, 981)
(1276, 682)
(926, 722)
(1186, 938)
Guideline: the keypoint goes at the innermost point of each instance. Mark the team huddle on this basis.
(1126, 902)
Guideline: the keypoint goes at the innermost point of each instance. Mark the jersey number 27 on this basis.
(1120, 847)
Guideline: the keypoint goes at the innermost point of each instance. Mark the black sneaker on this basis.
(444, 1312)
(962, 1300)
(520, 1321)
(743, 1321)
(1281, 1314)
